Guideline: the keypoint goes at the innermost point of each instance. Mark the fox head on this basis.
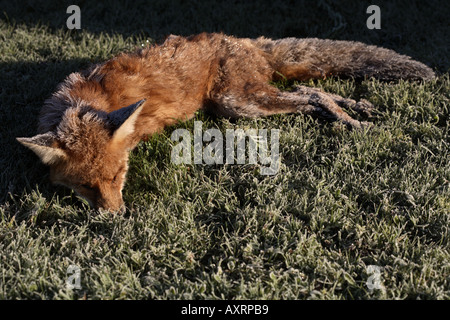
(88, 152)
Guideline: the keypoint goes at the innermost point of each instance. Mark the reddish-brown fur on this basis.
(86, 133)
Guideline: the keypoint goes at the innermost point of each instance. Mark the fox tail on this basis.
(342, 58)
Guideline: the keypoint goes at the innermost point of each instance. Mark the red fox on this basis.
(89, 125)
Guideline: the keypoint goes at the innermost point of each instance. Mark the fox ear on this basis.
(123, 121)
(42, 145)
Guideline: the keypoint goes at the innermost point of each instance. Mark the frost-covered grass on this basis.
(342, 200)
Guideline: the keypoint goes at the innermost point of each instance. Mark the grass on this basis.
(343, 199)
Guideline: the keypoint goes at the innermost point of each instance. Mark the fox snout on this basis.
(102, 200)
(109, 199)
(108, 206)
(111, 206)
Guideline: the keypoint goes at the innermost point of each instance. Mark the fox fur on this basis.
(89, 125)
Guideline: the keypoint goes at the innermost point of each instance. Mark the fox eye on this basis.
(117, 175)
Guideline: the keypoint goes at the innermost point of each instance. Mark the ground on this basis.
(342, 201)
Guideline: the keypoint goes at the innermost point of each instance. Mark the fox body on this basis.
(89, 125)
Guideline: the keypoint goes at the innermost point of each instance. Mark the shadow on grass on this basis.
(422, 31)
(24, 87)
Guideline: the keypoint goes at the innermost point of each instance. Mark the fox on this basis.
(89, 125)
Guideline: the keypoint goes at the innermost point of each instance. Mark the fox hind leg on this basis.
(363, 106)
(273, 101)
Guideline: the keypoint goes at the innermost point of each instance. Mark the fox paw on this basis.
(364, 107)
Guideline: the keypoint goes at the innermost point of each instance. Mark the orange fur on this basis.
(86, 131)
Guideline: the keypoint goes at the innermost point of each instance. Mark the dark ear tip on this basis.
(140, 102)
(117, 117)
